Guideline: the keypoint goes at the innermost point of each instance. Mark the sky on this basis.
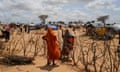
(27, 11)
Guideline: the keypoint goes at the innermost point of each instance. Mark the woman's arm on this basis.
(44, 37)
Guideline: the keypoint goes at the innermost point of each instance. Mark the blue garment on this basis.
(69, 35)
(54, 27)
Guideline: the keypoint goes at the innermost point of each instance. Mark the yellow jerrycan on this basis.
(101, 31)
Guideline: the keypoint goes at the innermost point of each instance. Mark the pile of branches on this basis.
(17, 60)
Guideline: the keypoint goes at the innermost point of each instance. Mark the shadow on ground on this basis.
(65, 60)
(48, 67)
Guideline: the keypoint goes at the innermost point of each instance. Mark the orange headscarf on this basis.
(52, 45)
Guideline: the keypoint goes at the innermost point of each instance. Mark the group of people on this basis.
(54, 51)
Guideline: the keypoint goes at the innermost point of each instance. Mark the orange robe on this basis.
(52, 45)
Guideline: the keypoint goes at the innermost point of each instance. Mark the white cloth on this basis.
(59, 38)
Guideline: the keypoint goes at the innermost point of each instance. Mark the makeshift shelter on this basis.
(34, 26)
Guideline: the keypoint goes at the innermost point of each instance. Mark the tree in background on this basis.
(43, 18)
(103, 19)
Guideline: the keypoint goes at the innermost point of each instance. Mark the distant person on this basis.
(5, 29)
(68, 42)
(27, 30)
(59, 36)
(74, 28)
(2, 28)
(7, 32)
(53, 51)
(25, 27)
(20, 28)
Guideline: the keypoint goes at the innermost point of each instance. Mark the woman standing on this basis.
(53, 51)
(7, 33)
(68, 42)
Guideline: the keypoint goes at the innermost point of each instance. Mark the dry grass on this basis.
(87, 56)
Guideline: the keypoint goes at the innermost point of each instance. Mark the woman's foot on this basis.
(48, 63)
(54, 64)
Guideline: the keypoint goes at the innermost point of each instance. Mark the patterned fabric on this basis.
(68, 41)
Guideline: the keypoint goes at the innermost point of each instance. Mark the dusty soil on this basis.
(32, 45)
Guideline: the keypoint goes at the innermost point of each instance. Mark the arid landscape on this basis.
(59, 35)
(88, 55)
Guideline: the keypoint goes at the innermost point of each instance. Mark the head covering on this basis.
(52, 45)
(50, 33)
(68, 34)
(50, 30)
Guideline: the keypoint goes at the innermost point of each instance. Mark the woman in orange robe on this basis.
(53, 50)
